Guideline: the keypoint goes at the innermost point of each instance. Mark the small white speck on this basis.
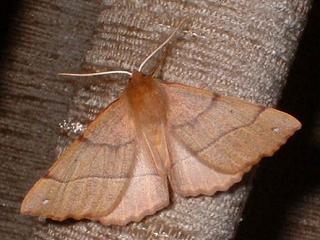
(46, 201)
(277, 130)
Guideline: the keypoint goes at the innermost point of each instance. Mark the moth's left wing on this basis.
(105, 175)
(91, 176)
(215, 139)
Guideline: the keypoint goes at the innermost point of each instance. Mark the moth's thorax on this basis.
(148, 105)
(147, 100)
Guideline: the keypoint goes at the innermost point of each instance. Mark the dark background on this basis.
(7, 11)
(285, 200)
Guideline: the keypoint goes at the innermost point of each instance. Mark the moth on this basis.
(154, 135)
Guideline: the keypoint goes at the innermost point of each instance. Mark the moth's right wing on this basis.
(216, 139)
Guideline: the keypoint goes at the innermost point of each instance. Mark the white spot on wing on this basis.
(277, 130)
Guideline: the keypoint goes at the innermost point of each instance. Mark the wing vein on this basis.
(230, 131)
(101, 177)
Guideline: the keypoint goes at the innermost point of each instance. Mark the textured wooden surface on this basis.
(44, 37)
(245, 50)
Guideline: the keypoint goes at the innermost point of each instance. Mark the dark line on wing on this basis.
(232, 130)
(99, 177)
(109, 145)
(192, 121)
(194, 153)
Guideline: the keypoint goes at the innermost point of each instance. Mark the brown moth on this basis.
(118, 171)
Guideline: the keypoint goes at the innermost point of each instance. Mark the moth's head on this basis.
(139, 78)
(137, 74)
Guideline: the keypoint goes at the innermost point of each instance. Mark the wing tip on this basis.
(295, 125)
